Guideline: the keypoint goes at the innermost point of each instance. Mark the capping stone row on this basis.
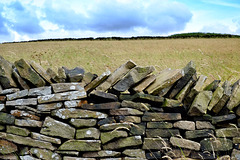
(128, 114)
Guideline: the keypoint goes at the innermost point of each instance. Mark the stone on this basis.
(203, 155)
(212, 86)
(142, 98)
(24, 115)
(228, 132)
(171, 103)
(199, 134)
(125, 111)
(45, 154)
(49, 107)
(99, 95)
(138, 129)
(7, 147)
(107, 120)
(235, 154)
(28, 123)
(145, 83)
(66, 96)
(77, 113)
(2, 127)
(74, 75)
(134, 76)
(27, 109)
(133, 119)
(96, 82)
(2, 107)
(102, 106)
(9, 91)
(136, 105)
(102, 153)
(151, 117)
(163, 80)
(200, 103)
(109, 136)
(164, 133)
(41, 71)
(113, 126)
(66, 87)
(116, 76)
(238, 111)
(184, 143)
(236, 140)
(123, 142)
(217, 95)
(224, 118)
(28, 157)
(69, 153)
(138, 153)
(41, 137)
(6, 69)
(80, 123)
(6, 118)
(185, 125)
(40, 91)
(234, 100)
(216, 144)
(56, 128)
(81, 145)
(62, 75)
(154, 155)
(189, 70)
(238, 122)
(22, 102)
(155, 143)
(87, 78)
(87, 133)
(26, 72)
(76, 158)
(178, 153)
(74, 103)
(27, 141)
(54, 76)
(2, 100)
(18, 131)
(204, 125)
(160, 125)
(23, 84)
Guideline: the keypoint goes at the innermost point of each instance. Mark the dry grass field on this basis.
(215, 58)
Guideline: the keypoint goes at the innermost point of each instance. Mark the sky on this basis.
(23, 20)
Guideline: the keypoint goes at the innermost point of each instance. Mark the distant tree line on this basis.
(174, 36)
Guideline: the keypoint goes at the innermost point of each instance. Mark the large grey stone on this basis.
(141, 97)
(53, 127)
(125, 111)
(40, 91)
(133, 119)
(155, 143)
(28, 123)
(228, 132)
(24, 115)
(65, 87)
(234, 100)
(45, 154)
(138, 153)
(7, 147)
(184, 143)
(49, 107)
(165, 133)
(102, 106)
(185, 125)
(212, 86)
(102, 153)
(41, 137)
(204, 125)
(113, 126)
(23, 84)
(171, 103)
(108, 136)
(216, 144)
(9, 91)
(22, 102)
(151, 117)
(145, 83)
(136, 105)
(79, 123)
(18, 131)
(81, 145)
(103, 96)
(159, 125)
(74, 75)
(87, 133)
(223, 118)
(6, 118)
(217, 95)
(199, 134)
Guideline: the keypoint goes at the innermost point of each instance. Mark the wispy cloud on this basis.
(229, 3)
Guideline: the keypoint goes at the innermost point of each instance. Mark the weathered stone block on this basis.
(24, 114)
(171, 103)
(133, 119)
(28, 123)
(66, 87)
(113, 126)
(151, 117)
(23, 84)
(184, 143)
(217, 95)
(178, 153)
(40, 91)
(74, 75)
(74, 103)
(138, 153)
(145, 83)
(218, 144)
(102, 106)
(7, 147)
(91, 133)
(155, 143)
(165, 133)
(199, 134)
(102, 153)
(17, 95)
(104, 96)
(224, 118)
(77, 158)
(234, 100)
(9, 91)
(125, 111)
(79, 123)
(236, 140)
(204, 125)
(159, 125)
(22, 102)
(49, 107)
(45, 154)
(185, 125)
(81, 145)
(108, 136)
(18, 131)
(138, 129)
(235, 154)
(41, 137)
(136, 105)
(6, 118)
(228, 132)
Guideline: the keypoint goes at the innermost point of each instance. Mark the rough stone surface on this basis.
(79, 123)
(88, 133)
(218, 144)
(40, 91)
(184, 143)
(23, 84)
(7, 147)
(155, 143)
(133, 119)
(41, 137)
(223, 118)
(45, 154)
(113, 126)
(28, 123)
(49, 107)
(165, 133)
(234, 100)
(125, 111)
(159, 125)
(171, 103)
(136, 105)
(108, 136)
(18, 131)
(204, 125)
(228, 132)
(145, 83)
(9, 91)
(217, 95)
(6, 118)
(235, 154)
(103, 95)
(138, 153)
(103, 153)
(24, 114)
(74, 75)
(151, 117)
(65, 87)
(17, 95)
(22, 102)
(102, 106)
(185, 125)
(81, 145)
(199, 134)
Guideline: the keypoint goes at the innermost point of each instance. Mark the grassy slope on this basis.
(215, 58)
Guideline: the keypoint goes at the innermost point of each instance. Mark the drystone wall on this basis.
(134, 113)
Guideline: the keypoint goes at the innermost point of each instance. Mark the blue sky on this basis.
(43, 19)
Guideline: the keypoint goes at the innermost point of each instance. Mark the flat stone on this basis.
(104, 96)
(159, 125)
(77, 113)
(145, 83)
(133, 119)
(138, 153)
(165, 133)
(40, 91)
(41, 71)
(117, 75)
(9, 91)
(74, 103)
(188, 71)
(54, 76)
(69, 153)
(22, 102)
(29, 109)
(53, 127)
(7, 147)
(6, 118)
(217, 95)
(96, 82)
(2, 101)
(212, 86)
(18, 131)
(155, 143)
(28, 123)
(2, 127)
(204, 155)
(66, 87)
(6, 69)
(125, 111)
(154, 155)
(134, 76)
(28, 157)
(224, 118)
(235, 154)
(24, 114)
(80, 123)
(234, 100)
(76, 158)
(23, 84)
(62, 75)
(163, 80)
(151, 117)
(123, 142)
(138, 129)
(45, 154)
(102, 106)
(238, 111)
(185, 125)
(81, 145)
(178, 153)
(204, 125)
(74, 75)
(107, 120)
(184, 143)
(2, 107)
(142, 98)
(236, 140)
(29, 142)
(228, 132)
(87, 78)
(218, 144)
(171, 103)
(49, 107)
(66, 96)
(108, 136)
(26, 72)
(136, 105)
(102, 153)
(199, 134)
(41, 137)
(87, 133)
(113, 126)
(200, 104)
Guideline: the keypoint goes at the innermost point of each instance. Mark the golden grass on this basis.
(215, 58)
